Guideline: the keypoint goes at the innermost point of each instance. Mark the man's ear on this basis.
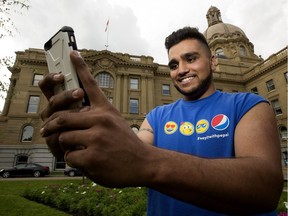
(213, 63)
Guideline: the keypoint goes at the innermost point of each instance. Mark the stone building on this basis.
(135, 85)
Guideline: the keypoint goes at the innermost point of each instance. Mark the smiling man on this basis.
(232, 142)
(209, 153)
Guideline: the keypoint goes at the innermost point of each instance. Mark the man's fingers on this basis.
(90, 86)
(64, 121)
(62, 101)
(70, 141)
(52, 142)
(51, 79)
(75, 158)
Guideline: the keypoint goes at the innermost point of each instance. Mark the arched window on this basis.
(242, 51)
(219, 52)
(27, 133)
(104, 80)
(283, 132)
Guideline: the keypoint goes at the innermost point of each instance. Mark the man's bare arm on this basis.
(249, 183)
(146, 133)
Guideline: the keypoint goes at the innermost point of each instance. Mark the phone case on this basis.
(57, 52)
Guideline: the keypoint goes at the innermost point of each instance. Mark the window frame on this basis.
(283, 132)
(219, 52)
(254, 90)
(169, 89)
(25, 133)
(242, 51)
(31, 104)
(276, 107)
(105, 80)
(134, 86)
(36, 80)
(270, 85)
(286, 76)
(131, 107)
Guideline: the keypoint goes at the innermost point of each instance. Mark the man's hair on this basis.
(183, 34)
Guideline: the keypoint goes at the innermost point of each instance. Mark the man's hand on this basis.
(57, 103)
(95, 139)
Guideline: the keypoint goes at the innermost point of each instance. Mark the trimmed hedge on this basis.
(90, 199)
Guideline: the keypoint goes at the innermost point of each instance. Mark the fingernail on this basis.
(42, 132)
(56, 77)
(75, 93)
(77, 53)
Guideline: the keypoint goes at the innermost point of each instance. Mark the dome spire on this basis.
(213, 16)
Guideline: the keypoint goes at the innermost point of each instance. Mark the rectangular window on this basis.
(60, 164)
(286, 76)
(33, 104)
(134, 106)
(276, 107)
(270, 85)
(134, 83)
(36, 79)
(254, 90)
(165, 89)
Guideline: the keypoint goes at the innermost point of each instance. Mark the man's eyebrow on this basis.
(172, 61)
(189, 54)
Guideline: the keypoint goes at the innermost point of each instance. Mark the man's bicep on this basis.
(256, 134)
(146, 133)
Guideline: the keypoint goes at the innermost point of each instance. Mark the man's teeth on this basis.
(187, 79)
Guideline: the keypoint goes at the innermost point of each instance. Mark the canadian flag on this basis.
(107, 24)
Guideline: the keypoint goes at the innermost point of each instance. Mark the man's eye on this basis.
(191, 59)
(173, 66)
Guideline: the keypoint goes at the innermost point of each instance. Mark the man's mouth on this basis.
(186, 79)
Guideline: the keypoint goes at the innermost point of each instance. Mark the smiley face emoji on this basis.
(202, 126)
(186, 128)
(170, 127)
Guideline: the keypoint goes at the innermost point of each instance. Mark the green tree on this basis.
(8, 29)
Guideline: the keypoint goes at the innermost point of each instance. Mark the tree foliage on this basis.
(8, 29)
(7, 9)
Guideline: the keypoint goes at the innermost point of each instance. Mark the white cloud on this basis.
(140, 27)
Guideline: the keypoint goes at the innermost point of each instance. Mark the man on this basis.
(210, 153)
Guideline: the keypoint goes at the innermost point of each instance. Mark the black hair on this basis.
(183, 34)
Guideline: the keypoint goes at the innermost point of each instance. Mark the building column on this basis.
(150, 93)
(118, 93)
(125, 95)
(143, 102)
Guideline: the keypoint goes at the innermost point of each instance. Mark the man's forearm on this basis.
(227, 185)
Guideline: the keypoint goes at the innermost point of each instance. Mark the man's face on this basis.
(191, 68)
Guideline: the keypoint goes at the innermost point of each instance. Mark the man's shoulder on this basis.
(169, 105)
(240, 96)
(164, 109)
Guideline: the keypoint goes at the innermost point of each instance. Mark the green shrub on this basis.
(91, 199)
(281, 206)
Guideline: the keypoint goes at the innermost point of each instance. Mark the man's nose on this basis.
(183, 67)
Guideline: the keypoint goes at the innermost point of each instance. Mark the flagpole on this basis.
(107, 34)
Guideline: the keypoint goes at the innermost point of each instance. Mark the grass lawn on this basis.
(13, 204)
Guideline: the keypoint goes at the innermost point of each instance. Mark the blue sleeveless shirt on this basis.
(203, 128)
